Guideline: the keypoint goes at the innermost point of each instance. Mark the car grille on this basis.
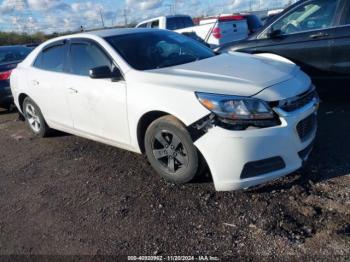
(306, 127)
(291, 105)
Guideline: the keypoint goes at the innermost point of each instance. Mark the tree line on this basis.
(12, 38)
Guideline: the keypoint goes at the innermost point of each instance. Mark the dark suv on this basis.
(315, 34)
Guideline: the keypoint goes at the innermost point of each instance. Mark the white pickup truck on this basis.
(215, 31)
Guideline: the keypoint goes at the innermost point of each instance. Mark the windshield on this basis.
(158, 49)
(13, 54)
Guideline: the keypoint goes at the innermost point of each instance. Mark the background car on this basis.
(215, 30)
(10, 56)
(315, 34)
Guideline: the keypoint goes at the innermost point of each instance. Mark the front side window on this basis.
(52, 58)
(151, 50)
(346, 16)
(313, 15)
(85, 56)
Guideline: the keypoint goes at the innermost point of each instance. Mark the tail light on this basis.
(217, 32)
(5, 75)
(231, 18)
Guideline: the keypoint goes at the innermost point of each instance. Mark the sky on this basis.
(63, 15)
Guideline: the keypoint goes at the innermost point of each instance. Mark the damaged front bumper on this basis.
(242, 159)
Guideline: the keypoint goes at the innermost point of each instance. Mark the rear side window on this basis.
(174, 23)
(188, 22)
(52, 58)
(85, 56)
(155, 24)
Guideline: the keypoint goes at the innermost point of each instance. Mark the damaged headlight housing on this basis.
(237, 110)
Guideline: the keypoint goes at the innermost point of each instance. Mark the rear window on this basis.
(174, 23)
(13, 54)
(254, 23)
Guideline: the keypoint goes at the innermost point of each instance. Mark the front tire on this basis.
(170, 150)
(34, 118)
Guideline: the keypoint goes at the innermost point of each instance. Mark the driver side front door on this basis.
(98, 106)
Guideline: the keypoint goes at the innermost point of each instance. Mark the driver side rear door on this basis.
(305, 35)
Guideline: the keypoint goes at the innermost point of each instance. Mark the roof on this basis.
(119, 31)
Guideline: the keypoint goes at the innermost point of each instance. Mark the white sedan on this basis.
(247, 118)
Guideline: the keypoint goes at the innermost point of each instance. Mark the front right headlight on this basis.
(238, 113)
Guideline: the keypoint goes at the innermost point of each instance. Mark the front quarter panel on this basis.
(144, 97)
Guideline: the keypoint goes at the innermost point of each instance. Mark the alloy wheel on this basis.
(170, 151)
(33, 118)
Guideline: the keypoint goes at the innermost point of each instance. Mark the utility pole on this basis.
(175, 6)
(102, 21)
(125, 17)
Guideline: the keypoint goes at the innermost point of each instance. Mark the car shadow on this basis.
(330, 157)
(4, 111)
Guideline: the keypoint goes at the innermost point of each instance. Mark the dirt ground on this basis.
(65, 195)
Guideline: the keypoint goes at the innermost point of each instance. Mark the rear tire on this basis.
(170, 150)
(34, 118)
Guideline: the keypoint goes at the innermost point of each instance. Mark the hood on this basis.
(233, 74)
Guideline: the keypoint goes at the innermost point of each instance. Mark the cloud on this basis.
(41, 5)
(63, 15)
(10, 6)
(144, 4)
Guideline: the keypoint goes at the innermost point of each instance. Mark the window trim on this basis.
(64, 42)
(335, 23)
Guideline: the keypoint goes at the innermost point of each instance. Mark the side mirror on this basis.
(275, 33)
(103, 72)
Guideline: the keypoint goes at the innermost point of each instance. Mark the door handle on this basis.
(72, 90)
(319, 35)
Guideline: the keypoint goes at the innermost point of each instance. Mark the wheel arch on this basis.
(21, 98)
(143, 123)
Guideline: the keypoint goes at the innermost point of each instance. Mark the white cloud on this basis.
(144, 4)
(63, 15)
(42, 4)
(9, 6)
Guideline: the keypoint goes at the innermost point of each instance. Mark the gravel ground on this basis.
(65, 195)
